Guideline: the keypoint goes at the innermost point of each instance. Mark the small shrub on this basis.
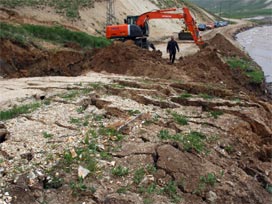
(80, 109)
(138, 175)
(78, 186)
(255, 74)
(133, 112)
(206, 96)
(185, 95)
(70, 95)
(209, 179)
(151, 169)
(164, 135)
(120, 171)
(171, 190)
(229, 149)
(268, 188)
(54, 182)
(68, 158)
(18, 110)
(112, 133)
(194, 140)
(122, 190)
(150, 189)
(47, 135)
(216, 114)
(180, 119)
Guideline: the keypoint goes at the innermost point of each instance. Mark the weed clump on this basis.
(255, 75)
(18, 110)
(191, 141)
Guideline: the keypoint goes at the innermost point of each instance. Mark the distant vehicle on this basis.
(202, 27)
(223, 23)
(220, 24)
(216, 24)
(210, 26)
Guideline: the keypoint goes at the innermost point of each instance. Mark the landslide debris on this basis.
(140, 144)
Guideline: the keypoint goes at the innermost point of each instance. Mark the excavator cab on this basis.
(132, 20)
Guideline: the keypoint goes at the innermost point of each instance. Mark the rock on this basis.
(115, 198)
(28, 156)
(211, 197)
(73, 153)
(33, 179)
(3, 134)
(100, 194)
(82, 172)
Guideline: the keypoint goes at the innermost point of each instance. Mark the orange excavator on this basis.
(136, 27)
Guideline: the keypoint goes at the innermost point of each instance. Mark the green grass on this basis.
(111, 133)
(18, 110)
(120, 171)
(122, 190)
(47, 135)
(54, 182)
(206, 96)
(185, 95)
(209, 179)
(255, 74)
(248, 14)
(80, 121)
(79, 187)
(180, 119)
(138, 175)
(69, 8)
(235, 9)
(150, 189)
(171, 190)
(26, 33)
(134, 112)
(216, 114)
(194, 140)
(190, 141)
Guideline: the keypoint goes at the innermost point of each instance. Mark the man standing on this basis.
(171, 49)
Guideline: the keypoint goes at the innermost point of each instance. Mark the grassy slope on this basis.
(26, 33)
(236, 9)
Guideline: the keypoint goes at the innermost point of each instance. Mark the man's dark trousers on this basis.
(172, 57)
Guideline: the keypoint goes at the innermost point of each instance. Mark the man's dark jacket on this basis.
(172, 46)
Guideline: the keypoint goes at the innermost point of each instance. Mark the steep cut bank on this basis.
(208, 65)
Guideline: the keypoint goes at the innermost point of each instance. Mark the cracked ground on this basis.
(141, 141)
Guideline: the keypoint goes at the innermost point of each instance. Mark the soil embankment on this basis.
(127, 59)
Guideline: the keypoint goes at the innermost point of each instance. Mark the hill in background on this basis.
(237, 9)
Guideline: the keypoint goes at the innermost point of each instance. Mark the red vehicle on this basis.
(136, 27)
(210, 26)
